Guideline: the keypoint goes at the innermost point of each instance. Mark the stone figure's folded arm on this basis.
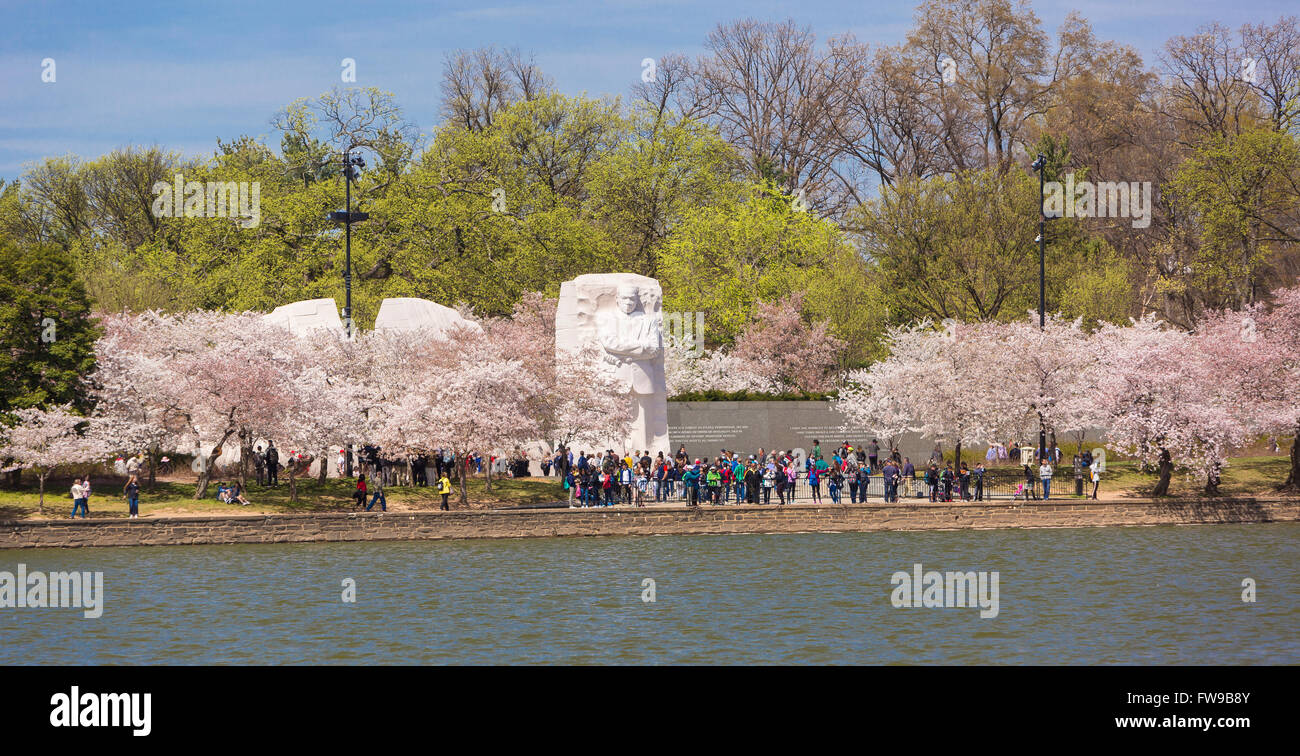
(629, 348)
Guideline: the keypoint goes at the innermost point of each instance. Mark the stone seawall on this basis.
(433, 525)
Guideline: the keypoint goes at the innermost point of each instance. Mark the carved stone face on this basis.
(649, 302)
(629, 297)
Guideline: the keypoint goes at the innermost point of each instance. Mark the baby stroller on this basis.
(1020, 493)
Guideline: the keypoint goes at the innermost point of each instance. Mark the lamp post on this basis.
(1038, 165)
(347, 218)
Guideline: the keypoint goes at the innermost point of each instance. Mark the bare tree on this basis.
(479, 83)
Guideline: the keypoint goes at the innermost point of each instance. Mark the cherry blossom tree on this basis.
(785, 351)
(231, 371)
(1166, 402)
(1050, 373)
(137, 401)
(43, 439)
(939, 383)
(472, 397)
(574, 401)
(709, 370)
(1255, 356)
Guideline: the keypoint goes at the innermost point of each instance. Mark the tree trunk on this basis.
(292, 468)
(487, 485)
(957, 465)
(1166, 471)
(40, 503)
(153, 466)
(245, 455)
(461, 474)
(324, 466)
(1293, 478)
(1212, 481)
(205, 477)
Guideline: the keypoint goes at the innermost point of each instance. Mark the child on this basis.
(360, 493)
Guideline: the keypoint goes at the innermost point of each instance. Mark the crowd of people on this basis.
(606, 478)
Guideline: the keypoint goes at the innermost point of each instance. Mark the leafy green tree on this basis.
(723, 259)
(47, 334)
(641, 189)
(1238, 197)
(959, 246)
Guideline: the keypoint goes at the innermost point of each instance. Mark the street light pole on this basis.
(347, 245)
(1039, 165)
(1042, 252)
(347, 218)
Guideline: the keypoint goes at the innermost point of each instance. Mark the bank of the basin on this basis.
(665, 520)
(1142, 595)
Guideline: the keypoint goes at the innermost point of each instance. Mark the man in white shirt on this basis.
(78, 492)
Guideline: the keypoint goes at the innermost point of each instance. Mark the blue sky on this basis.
(181, 74)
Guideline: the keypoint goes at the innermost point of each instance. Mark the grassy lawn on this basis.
(334, 495)
(1244, 476)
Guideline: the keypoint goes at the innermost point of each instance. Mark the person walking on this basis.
(932, 481)
(360, 493)
(1045, 473)
(947, 477)
(873, 453)
(1095, 468)
(815, 483)
(272, 464)
(378, 480)
(963, 479)
(978, 478)
(444, 490)
(132, 492)
(769, 482)
(78, 492)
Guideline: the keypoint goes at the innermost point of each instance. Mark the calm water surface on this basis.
(1160, 595)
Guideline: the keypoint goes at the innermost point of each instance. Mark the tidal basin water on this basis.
(1154, 595)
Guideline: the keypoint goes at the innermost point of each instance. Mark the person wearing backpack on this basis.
(360, 493)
